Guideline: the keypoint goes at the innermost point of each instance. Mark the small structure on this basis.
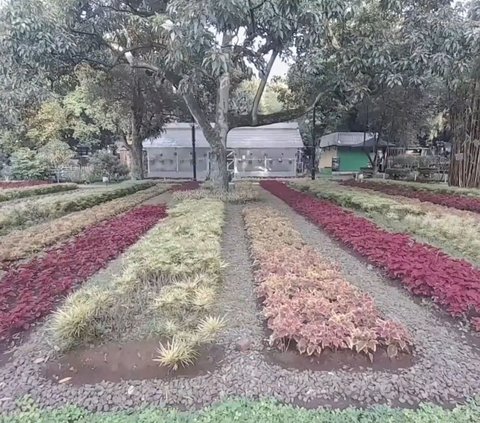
(266, 151)
(346, 151)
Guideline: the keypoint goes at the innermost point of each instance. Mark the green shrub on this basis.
(26, 164)
(31, 212)
(13, 194)
(249, 412)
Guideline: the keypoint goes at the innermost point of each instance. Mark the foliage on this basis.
(307, 301)
(424, 270)
(31, 211)
(26, 164)
(177, 352)
(29, 190)
(171, 277)
(57, 155)
(447, 200)
(242, 193)
(432, 187)
(456, 232)
(247, 411)
(20, 244)
(108, 164)
(31, 290)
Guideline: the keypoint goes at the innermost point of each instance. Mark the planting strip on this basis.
(447, 200)
(423, 269)
(31, 291)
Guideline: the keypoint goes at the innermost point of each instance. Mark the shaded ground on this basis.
(446, 366)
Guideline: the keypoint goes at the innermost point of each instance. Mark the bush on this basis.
(26, 164)
(12, 194)
(107, 164)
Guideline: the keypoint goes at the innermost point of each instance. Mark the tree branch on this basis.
(277, 117)
(263, 84)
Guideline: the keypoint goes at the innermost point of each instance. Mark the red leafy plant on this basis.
(424, 270)
(187, 186)
(32, 290)
(307, 301)
(448, 200)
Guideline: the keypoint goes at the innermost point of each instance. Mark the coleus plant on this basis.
(307, 301)
(424, 270)
(448, 200)
(31, 290)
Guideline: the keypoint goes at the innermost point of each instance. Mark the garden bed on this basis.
(448, 200)
(308, 305)
(423, 270)
(21, 244)
(32, 211)
(454, 231)
(30, 191)
(31, 291)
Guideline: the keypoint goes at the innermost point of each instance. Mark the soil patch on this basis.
(338, 360)
(131, 361)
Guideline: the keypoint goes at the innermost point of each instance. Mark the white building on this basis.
(266, 151)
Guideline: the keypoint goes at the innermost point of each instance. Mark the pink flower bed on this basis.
(22, 184)
(32, 290)
(422, 269)
(455, 201)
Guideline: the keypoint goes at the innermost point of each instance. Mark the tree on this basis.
(57, 155)
(25, 164)
(205, 49)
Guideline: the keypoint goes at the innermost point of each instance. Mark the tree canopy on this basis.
(389, 59)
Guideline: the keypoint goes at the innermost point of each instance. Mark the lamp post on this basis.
(194, 153)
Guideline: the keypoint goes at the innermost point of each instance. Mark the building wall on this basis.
(265, 162)
(176, 162)
(326, 157)
(351, 160)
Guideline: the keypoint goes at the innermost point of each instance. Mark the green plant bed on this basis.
(13, 194)
(31, 211)
(249, 412)
(456, 233)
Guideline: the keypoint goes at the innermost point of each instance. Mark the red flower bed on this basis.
(187, 186)
(454, 201)
(424, 270)
(31, 290)
(22, 184)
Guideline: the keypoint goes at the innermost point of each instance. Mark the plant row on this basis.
(31, 290)
(30, 191)
(243, 192)
(20, 244)
(423, 269)
(170, 279)
(33, 211)
(456, 232)
(21, 184)
(447, 200)
(306, 301)
(437, 188)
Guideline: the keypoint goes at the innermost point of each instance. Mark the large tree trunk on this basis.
(138, 105)
(218, 171)
(136, 151)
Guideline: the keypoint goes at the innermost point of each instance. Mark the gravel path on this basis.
(446, 368)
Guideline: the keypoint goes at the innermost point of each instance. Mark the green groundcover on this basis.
(249, 411)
